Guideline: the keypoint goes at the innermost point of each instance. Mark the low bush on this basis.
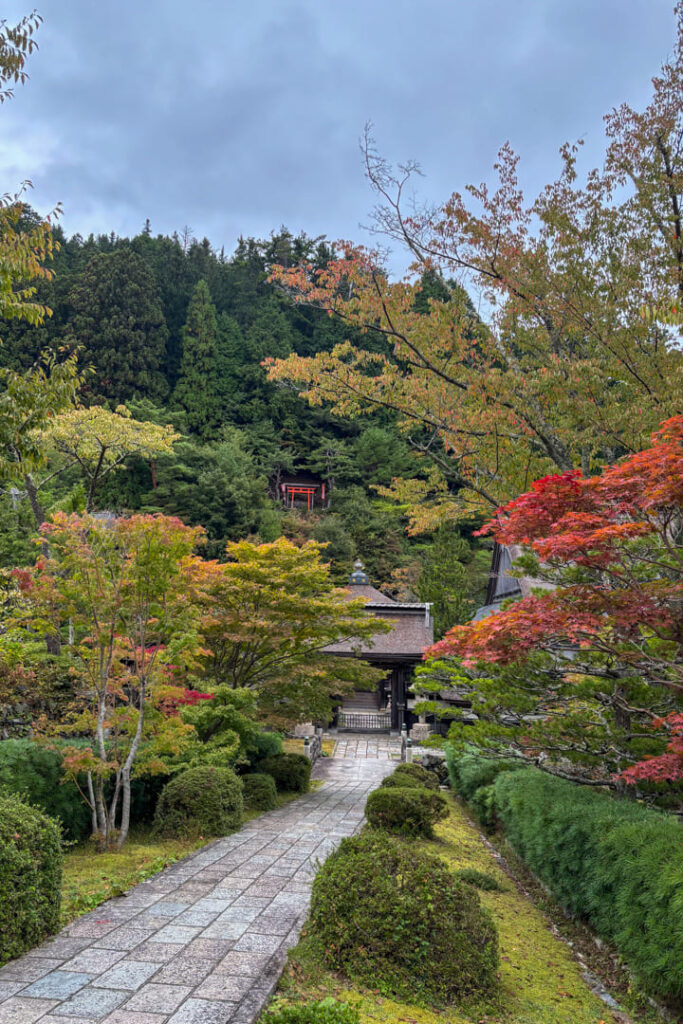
(418, 774)
(292, 772)
(34, 773)
(260, 793)
(405, 811)
(327, 1011)
(469, 772)
(394, 918)
(200, 801)
(480, 880)
(614, 863)
(265, 744)
(30, 876)
(400, 782)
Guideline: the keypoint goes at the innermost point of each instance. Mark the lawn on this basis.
(541, 982)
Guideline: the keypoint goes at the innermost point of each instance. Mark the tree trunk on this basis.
(127, 765)
(93, 806)
(34, 501)
(125, 809)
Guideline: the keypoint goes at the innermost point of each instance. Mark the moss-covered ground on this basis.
(540, 981)
(296, 746)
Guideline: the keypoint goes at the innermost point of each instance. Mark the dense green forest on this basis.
(177, 332)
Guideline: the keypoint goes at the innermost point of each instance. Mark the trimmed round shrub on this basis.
(405, 811)
(400, 782)
(394, 918)
(203, 801)
(260, 793)
(292, 772)
(327, 1011)
(419, 775)
(30, 876)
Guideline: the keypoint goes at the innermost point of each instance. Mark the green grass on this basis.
(540, 981)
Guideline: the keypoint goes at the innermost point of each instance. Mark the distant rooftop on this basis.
(412, 624)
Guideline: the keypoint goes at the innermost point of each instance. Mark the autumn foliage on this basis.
(609, 549)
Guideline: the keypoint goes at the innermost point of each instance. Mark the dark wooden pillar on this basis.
(401, 693)
(394, 699)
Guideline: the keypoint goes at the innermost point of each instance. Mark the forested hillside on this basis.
(177, 332)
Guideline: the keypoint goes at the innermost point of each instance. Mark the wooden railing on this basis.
(365, 721)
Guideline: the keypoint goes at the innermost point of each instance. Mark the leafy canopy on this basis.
(270, 612)
(603, 647)
(568, 371)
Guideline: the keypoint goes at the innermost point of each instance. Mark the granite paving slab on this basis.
(204, 941)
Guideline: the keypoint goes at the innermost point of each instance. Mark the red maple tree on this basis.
(610, 548)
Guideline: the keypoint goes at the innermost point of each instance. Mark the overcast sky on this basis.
(236, 116)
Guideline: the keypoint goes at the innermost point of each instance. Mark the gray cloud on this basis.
(237, 116)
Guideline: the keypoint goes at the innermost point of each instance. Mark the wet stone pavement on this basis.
(204, 941)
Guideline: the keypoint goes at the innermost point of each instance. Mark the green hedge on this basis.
(469, 772)
(292, 772)
(30, 876)
(34, 773)
(200, 801)
(611, 862)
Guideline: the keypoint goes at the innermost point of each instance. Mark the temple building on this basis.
(398, 652)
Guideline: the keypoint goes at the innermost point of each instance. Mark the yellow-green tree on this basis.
(270, 612)
(568, 371)
(99, 441)
(27, 400)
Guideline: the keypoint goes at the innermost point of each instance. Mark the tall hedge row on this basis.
(613, 863)
(30, 876)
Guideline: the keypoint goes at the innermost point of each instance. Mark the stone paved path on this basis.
(204, 941)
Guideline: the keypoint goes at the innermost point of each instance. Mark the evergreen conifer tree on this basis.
(119, 324)
(196, 390)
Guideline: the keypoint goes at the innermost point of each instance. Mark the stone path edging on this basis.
(204, 941)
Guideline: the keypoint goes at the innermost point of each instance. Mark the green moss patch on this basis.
(540, 982)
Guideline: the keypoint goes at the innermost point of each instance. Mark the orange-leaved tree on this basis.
(116, 591)
(570, 369)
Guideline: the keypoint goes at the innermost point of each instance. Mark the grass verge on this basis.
(541, 982)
